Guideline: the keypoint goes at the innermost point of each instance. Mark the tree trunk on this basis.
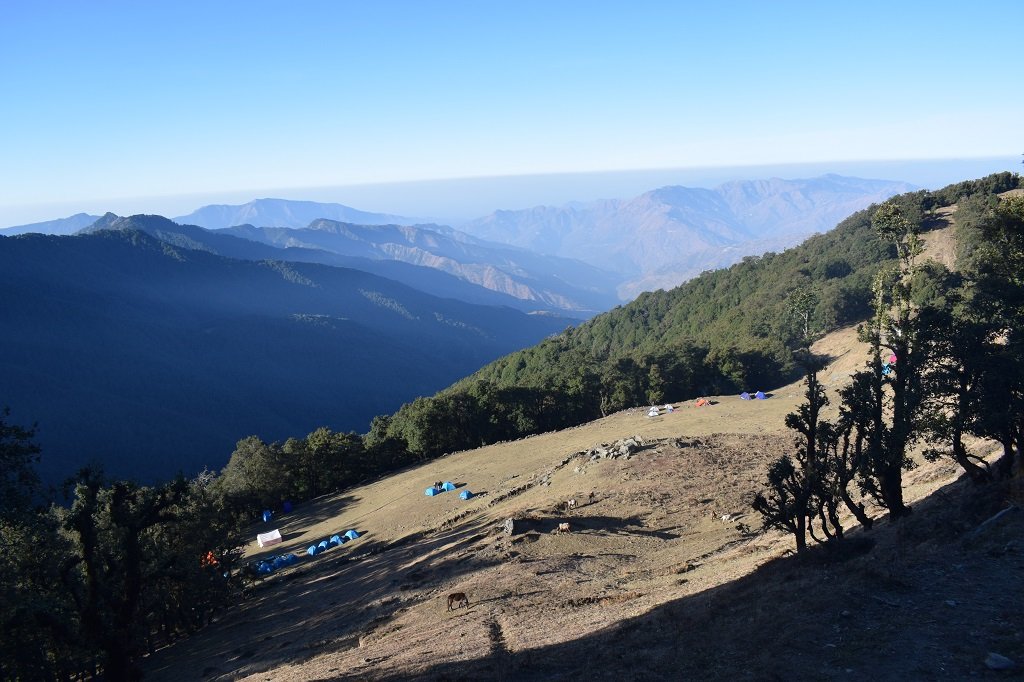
(977, 474)
(891, 488)
(856, 509)
(801, 534)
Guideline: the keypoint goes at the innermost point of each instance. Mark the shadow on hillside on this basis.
(883, 614)
(338, 596)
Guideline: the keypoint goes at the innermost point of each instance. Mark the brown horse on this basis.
(459, 598)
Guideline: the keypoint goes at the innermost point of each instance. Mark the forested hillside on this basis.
(154, 359)
(725, 331)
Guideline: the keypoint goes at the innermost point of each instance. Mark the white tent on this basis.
(271, 538)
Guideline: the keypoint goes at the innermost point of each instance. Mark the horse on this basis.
(459, 598)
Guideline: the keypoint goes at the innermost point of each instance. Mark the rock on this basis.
(509, 526)
(996, 661)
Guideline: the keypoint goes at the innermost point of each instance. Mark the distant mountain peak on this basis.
(271, 212)
(61, 226)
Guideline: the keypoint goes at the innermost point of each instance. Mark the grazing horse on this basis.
(563, 528)
(459, 598)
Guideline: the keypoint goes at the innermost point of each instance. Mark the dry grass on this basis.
(651, 583)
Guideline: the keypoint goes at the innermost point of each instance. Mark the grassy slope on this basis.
(652, 583)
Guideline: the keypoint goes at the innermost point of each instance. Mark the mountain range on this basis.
(543, 282)
(669, 235)
(155, 358)
(153, 346)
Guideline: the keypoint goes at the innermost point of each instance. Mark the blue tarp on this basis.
(448, 485)
(351, 534)
(465, 495)
(267, 515)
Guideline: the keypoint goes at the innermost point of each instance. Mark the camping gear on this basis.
(267, 515)
(351, 534)
(465, 495)
(448, 485)
(745, 396)
(653, 412)
(267, 539)
(335, 540)
(323, 546)
(313, 550)
(287, 507)
(701, 402)
(760, 396)
(431, 491)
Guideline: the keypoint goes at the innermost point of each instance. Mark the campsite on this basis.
(662, 557)
(664, 560)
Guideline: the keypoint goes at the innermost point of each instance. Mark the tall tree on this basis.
(801, 491)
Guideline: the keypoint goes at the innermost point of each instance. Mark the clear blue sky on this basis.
(126, 99)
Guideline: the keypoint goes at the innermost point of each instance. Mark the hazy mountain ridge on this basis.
(673, 233)
(244, 242)
(552, 281)
(60, 226)
(155, 358)
(283, 213)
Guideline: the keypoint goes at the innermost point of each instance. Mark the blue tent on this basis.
(351, 534)
(313, 550)
(760, 396)
(267, 515)
(431, 491)
(290, 558)
(744, 396)
(335, 540)
(448, 485)
(323, 546)
(465, 495)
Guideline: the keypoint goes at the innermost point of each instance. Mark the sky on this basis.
(166, 106)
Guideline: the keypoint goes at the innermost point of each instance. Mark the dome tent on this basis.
(448, 485)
